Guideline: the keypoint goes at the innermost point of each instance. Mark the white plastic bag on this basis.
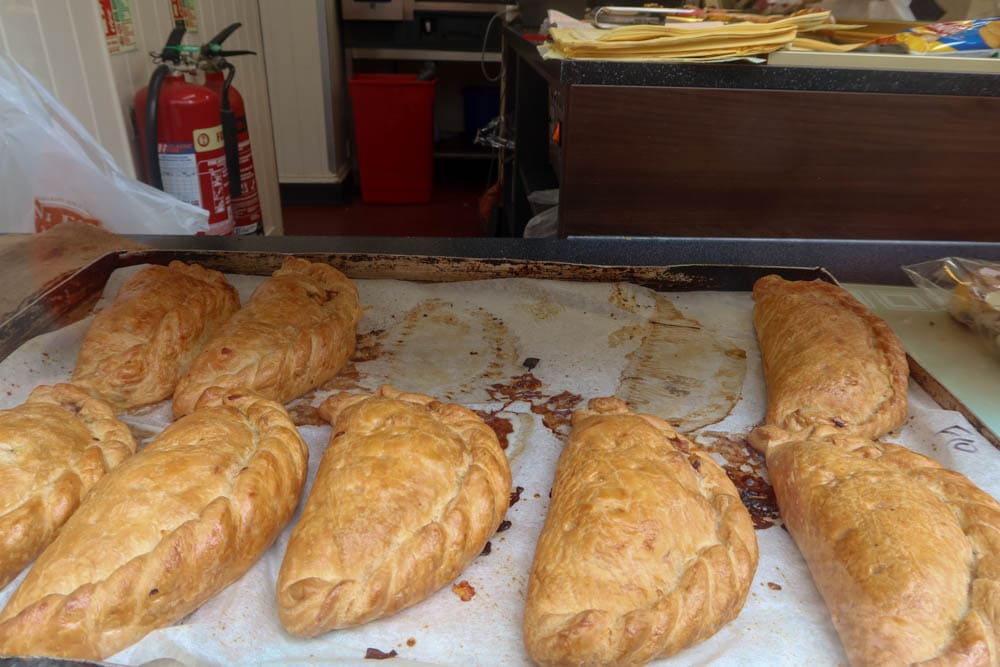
(52, 171)
(546, 223)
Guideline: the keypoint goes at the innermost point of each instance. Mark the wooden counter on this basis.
(740, 150)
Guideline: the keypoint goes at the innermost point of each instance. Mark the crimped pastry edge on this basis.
(558, 639)
(313, 276)
(105, 379)
(51, 618)
(885, 417)
(40, 516)
(976, 638)
(315, 592)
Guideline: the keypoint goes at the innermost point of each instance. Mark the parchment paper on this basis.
(524, 353)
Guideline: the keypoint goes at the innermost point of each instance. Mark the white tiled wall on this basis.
(61, 42)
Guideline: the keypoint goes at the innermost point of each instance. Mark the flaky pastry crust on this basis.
(407, 494)
(646, 547)
(138, 347)
(163, 532)
(53, 449)
(831, 365)
(295, 333)
(905, 552)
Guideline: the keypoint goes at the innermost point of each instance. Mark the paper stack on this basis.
(705, 40)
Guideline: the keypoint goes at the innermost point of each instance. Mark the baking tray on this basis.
(74, 297)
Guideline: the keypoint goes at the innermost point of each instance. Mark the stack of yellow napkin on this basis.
(709, 40)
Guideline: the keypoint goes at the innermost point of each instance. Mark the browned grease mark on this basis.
(411, 642)
(681, 371)
(303, 414)
(525, 387)
(369, 346)
(463, 590)
(626, 333)
(773, 586)
(543, 309)
(476, 344)
(348, 379)
(557, 412)
(745, 466)
(500, 425)
(623, 297)
(376, 654)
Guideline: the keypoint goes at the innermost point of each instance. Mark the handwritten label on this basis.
(960, 438)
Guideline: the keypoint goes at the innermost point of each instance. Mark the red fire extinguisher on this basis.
(183, 145)
(219, 75)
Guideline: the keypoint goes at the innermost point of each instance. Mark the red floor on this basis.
(453, 211)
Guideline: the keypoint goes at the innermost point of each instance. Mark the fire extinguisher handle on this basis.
(224, 35)
(150, 139)
(230, 136)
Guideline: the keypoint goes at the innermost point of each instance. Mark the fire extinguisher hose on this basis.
(230, 135)
(150, 138)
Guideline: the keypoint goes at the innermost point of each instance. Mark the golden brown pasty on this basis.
(406, 496)
(830, 364)
(53, 448)
(163, 532)
(646, 547)
(138, 347)
(905, 553)
(294, 334)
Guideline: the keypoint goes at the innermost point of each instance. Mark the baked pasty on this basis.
(407, 494)
(53, 448)
(138, 347)
(163, 532)
(830, 364)
(905, 553)
(295, 333)
(646, 548)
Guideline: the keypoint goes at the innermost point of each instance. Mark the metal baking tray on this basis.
(73, 298)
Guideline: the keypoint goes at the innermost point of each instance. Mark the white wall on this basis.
(61, 42)
(304, 62)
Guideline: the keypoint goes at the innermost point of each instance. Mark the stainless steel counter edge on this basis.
(862, 261)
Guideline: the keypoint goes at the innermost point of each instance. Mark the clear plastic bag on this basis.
(969, 289)
(52, 171)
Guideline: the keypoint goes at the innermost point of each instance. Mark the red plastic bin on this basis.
(394, 127)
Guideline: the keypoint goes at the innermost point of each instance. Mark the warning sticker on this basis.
(209, 139)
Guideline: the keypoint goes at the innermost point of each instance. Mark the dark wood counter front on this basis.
(872, 154)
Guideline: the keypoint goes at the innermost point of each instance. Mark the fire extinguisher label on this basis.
(180, 173)
(246, 207)
(195, 172)
(209, 139)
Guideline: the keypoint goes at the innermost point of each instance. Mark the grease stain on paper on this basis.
(682, 372)
(449, 351)
(747, 469)
(623, 297)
